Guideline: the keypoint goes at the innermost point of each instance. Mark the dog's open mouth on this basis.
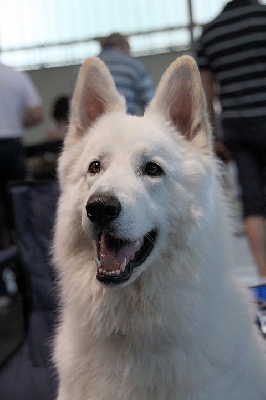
(116, 258)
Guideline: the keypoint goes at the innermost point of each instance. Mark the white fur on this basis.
(179, 329)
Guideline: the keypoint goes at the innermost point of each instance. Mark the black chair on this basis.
(8, 255)
(28, 374)
(42, 159)
(12, 316)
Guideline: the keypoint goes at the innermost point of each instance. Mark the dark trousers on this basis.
(12, 168)
(246, 140)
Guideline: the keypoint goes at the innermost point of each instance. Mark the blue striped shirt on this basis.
(131, 78)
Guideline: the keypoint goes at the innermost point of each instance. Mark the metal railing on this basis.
(74, 51)
(59, 51)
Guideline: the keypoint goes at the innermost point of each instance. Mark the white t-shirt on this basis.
(17, 94)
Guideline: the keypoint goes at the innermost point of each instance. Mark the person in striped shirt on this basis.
(131, 77)
(231, 53)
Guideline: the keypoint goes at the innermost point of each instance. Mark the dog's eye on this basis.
(94, 167)
(153, 169)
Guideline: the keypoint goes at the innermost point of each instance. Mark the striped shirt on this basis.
(233, 48)
(131, 78)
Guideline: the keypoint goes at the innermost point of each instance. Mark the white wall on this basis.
(52, 82)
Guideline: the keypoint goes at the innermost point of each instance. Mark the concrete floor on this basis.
(243, 264)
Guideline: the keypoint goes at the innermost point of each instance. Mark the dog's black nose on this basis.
(103, 209)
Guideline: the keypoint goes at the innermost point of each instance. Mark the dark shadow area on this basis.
(12, 328)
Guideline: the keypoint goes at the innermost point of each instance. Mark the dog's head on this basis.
(133, 179)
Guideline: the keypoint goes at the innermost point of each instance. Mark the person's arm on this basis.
(208, 87)
(144, 86)
(33, 116)
(207, 78)
(33, 109)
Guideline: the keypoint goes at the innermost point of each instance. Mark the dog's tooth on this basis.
(97, 262)
(139, 243)
(104, 272)
(100, 270)
(113, 273)
(117, 272)
(123, 265)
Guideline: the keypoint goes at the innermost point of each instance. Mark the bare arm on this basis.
(208, 86)
(33, 116)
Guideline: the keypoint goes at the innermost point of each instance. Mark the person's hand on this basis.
(221, 151)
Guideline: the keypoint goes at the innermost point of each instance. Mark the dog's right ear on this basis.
(95, 94)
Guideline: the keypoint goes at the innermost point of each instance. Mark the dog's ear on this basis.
(180, 98)
(94, 95)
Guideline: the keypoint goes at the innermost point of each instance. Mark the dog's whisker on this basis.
(150, 238)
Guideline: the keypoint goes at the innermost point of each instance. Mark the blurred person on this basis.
(60, 111)
(43, 166)
(20, 107)
(231, 52)
(131, 77)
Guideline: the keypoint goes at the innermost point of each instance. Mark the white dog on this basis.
(149, 309)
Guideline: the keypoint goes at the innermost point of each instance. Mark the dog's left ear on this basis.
(95, 94)
(180, 98)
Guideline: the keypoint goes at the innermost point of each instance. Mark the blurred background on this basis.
(49, 37)
(49, 40)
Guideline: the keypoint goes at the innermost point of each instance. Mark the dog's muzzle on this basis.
(116, 256)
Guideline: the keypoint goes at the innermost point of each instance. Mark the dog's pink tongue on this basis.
(111, 260)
